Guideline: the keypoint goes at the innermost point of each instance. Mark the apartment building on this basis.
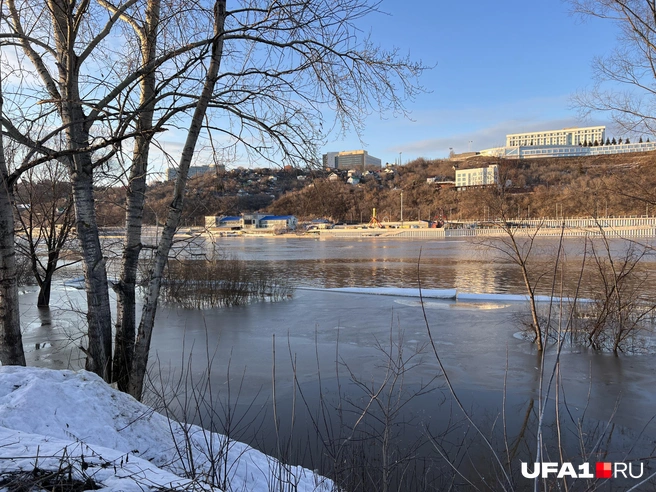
(480, 176)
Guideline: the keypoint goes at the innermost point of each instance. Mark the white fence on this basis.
(624, 227)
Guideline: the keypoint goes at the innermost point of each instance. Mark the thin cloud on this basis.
(482, 138)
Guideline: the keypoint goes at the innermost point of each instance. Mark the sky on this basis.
(499, 67)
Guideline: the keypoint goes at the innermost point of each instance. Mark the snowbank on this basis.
(53, 418)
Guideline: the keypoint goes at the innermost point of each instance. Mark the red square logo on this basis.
(604, 470)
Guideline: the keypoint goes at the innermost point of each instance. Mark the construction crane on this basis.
(374, 222)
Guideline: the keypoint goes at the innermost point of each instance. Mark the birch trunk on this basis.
(99, 318)
(146, 325)
(126, 289)
(99, 351)
(11, 342)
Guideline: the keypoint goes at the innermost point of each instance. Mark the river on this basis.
(328, 352)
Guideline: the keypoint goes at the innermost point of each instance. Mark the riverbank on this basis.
(615, 227)
(66, 429)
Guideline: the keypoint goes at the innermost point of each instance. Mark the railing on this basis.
(622, 227)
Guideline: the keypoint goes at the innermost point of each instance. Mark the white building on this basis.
(566, 150)
(270, 222)
(568, 142)
(566, 136)
(480, 176)
(252, 221)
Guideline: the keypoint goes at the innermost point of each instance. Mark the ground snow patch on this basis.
(76, 417)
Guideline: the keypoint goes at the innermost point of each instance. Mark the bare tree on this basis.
(281, 65)
(72, 82)
(258, 77)
(517, 244)
(44, 212)
(631, 64)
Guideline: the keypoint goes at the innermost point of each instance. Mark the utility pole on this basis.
(401, 208)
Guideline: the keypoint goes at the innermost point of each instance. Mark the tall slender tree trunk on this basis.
(11, 342)
(99, 318)
(126, 289)
(146, 325)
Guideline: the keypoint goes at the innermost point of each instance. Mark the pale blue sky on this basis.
(501, 67)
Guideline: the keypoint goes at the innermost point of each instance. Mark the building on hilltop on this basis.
(566, 136)
(172, 172)
(568, 142)
(480, 176)
(350, 159)
(566, 150)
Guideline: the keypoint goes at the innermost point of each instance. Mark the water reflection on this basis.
(326, 338)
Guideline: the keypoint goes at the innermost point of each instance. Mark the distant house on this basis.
(223, 222)
(318, 224)
(288, 222)
(441, 182)
(269, 222)
(252, 221)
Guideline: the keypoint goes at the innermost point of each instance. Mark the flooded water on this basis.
(296, 377)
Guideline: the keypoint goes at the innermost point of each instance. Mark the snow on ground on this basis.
(55, 419)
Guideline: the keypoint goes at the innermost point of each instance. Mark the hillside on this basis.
(596, 185)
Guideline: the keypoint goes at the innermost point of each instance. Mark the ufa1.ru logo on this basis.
(567, 470)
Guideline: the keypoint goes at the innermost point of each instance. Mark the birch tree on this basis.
(64, 83)
(273, 70)
(11, 343)
(266, 77)
(71, 78)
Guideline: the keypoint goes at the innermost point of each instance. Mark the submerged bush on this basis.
(197, 284)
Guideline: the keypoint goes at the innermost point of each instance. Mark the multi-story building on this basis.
(480, 176)
(568, 142)
(566, 150)
(350, 159)
(172, 172)
(566, 136)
